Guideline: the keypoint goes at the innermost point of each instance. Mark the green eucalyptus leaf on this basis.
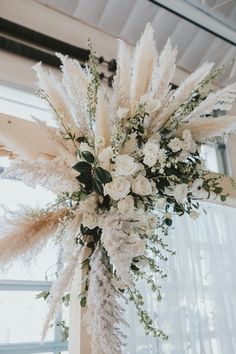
(80, 139)
(87, 156)
(83, 301)
(223, 198)
(168, 222)
(82, 166)
(103, 175)
(97, 186)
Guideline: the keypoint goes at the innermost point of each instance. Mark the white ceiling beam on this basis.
(200, 16)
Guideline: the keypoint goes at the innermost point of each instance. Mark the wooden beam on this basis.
(24, 133)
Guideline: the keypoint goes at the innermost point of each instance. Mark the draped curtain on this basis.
(198, 311)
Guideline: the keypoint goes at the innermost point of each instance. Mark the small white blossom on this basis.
(161, 156)
(100, 142)
(161, 203)
(194, 214)
(122, 112)
(150, 151)
(141, 186)
(196, 185)
(175, 144)
(118, 188)
(186, 145)
(122, 247)
(152, 104)
(187, 135)
(193, 147)
(183, 156)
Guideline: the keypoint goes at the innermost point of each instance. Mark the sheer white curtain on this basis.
(199, 307)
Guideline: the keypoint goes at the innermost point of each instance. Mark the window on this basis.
(22, 315)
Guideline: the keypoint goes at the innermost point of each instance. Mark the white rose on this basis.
(125, 165)
(187, 135)
(141, 186)
(126, 205)
(118, 188)
(89, 220)
(175, 144)
(180, 192)
(152, 104)
(105, 157)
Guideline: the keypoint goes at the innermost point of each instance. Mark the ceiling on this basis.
(126, 19)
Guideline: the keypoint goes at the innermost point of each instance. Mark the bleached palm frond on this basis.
(57, 97)
(164, 72)
(58, 289)
(26, 232)
(143, 64)
(102, 117)
(205, 128)
(122, 79)
(182, 93)
(54, 175)
(76, 81)
(220, 100)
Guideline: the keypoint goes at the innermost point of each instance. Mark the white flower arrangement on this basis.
(125, 164)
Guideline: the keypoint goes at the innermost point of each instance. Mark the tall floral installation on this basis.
(127, 161)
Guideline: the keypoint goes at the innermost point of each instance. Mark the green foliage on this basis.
(102, 175)
(87, 156)
(43, 295)
(64, 330)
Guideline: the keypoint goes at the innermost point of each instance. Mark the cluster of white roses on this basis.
(123, 182)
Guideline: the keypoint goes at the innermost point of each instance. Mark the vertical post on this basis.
(79, 340)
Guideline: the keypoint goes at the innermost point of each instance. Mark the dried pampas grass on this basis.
(165, 72)
(58, 289)
(122, 79)
(182, 93)
(56, 95)
(203, 129)
(54, 175)
(220, 100)
(76, 80)
(25, 233)
(143, 64)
